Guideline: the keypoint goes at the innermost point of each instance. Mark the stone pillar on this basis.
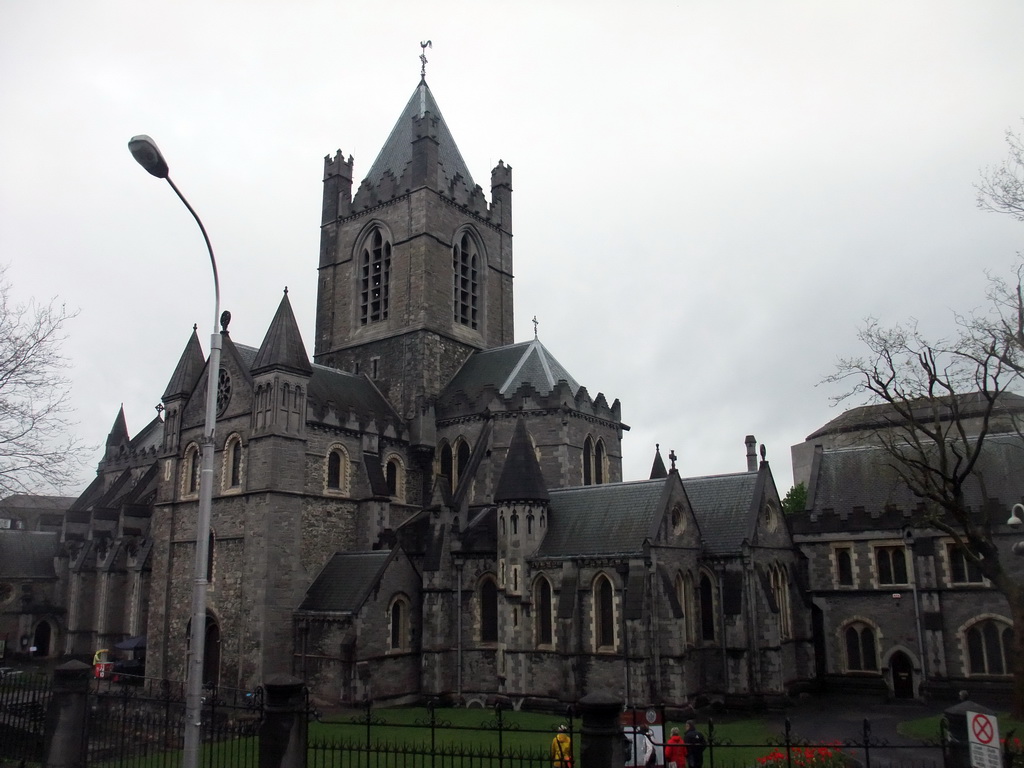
(66, 716)
(283, 732)
(957, 747)
(602, 742)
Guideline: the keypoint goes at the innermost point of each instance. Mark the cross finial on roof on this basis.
(672, 458)
(423, 57)
(535, 324)
(159, 408)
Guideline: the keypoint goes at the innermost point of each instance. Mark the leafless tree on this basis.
(941, 404)
(1001, 188)
(38, 452)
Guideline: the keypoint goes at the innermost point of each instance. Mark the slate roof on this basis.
(610, 519)
(863, 477)
(882, 416)
(521, 478)
(345, 582)
(28, 554)
(396, 154)
(508, 368)
(27, 501)
(722, 505)
(189, 367)
(282, 347)
(330, 388)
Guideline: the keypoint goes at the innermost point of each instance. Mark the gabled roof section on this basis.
(723, 506)
(612, 519)
(396, 154)
(282, 347)
(189, 368)
(521, 478)
(345, 582)
(28, 554)
(509, 368)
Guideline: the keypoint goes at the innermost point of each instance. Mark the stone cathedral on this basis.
(424, 506)
(428, 508)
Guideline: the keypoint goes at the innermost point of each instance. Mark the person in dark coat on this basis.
(695, 743)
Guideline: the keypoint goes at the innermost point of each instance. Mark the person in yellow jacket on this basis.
(561, 749)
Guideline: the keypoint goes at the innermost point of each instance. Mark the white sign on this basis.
(983, 735)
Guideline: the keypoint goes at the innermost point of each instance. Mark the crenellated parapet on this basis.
(337, 186)
(526, 397)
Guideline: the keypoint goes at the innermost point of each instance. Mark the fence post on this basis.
(602, 743)
(284, 729)
(67, 716)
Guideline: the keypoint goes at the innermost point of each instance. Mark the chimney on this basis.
(751, 443)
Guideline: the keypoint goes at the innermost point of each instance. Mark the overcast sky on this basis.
(709, 197)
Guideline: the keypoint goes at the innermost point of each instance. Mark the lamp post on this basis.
(147, 154)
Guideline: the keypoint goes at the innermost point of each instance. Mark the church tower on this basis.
(415, 269)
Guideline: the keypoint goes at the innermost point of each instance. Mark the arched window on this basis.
(374, 277)
(779, 581)
(465, 288)
(395, 475)
(446, 466)
(231, 473)
(461, 459)
(861, 655)
(594, 461)
(488, 610)
(544, 612)
(844, 566)
(685, 595)
(588, 461)
(337, 469)
(399, 624)
(604, 613)
(989, 646)
(190, 470)
(707, 608)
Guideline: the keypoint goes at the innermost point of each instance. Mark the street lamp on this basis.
(147, 154)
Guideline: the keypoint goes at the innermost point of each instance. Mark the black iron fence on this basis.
(430, 738)
(139, 722)
(23, 702)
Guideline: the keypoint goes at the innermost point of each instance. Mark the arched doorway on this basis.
(211, 659)
(42, 639)
(902, 675)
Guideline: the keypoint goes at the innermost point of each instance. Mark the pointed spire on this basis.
(521, 478)
(658, 470)
(397, 153)
(188, 370)
(282, 347)
(119, 432)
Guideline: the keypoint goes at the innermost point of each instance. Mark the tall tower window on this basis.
(465, 288)
(375, 277)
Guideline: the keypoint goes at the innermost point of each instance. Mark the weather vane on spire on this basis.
(423, 58)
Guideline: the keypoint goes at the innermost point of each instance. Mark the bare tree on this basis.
(37, 449)
(1001, 188)
(941, 405)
